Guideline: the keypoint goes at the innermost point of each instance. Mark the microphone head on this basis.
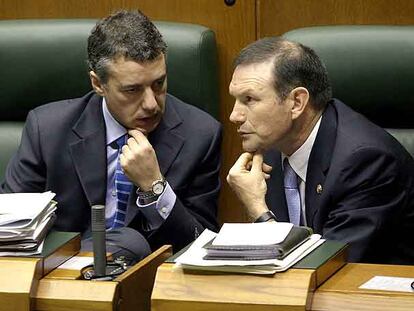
(98, 218)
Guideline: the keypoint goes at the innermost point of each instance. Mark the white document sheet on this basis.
(76, 263)
(389, 283)
(264, 233)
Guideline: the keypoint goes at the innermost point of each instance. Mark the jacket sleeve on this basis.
(26, 170)
(373, 210)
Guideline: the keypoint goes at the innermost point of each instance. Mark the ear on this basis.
(96, 83)
(300, 99)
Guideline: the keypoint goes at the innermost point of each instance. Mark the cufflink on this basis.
(319, 189)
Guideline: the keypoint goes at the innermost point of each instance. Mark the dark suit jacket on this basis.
(63, 149)
(367, 181)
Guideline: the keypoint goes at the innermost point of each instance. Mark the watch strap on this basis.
(266, 216)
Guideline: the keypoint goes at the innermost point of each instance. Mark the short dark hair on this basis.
(294, 65)
(125, 33)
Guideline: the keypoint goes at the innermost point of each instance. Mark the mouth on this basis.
(241, 133)
(147, 121)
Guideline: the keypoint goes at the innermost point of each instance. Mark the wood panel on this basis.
(234, 27)
(278, 16)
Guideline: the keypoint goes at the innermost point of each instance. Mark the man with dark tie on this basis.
(311, 160)
(151, 159)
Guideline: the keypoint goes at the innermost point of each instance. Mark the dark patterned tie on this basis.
(123, 188)
(292, 193)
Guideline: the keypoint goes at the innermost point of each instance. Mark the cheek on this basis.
(161, 100)
(272, 125)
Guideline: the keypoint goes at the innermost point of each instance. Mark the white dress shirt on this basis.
(299, 163)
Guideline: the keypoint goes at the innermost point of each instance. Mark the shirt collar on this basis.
(113, 129)
(300, 158)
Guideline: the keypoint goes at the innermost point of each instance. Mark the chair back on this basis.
(371, 69)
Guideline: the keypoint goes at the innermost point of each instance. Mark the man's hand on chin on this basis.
(247, 178)
(139, 161)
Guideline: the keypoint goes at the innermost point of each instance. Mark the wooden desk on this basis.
(18, 279)
(341, 291)
(61, 290)
(176, 289)
(320, 282)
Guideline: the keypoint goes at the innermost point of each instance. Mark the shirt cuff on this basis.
(157, 212)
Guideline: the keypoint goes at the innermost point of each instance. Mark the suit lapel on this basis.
(275, 196)
(319, 162)
(167, 139)
(88, 151)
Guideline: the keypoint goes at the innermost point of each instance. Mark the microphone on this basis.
(99, 240)
(101, 270)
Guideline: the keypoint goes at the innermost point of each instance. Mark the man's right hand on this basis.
(247, 178)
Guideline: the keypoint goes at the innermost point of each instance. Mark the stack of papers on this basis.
(256, 235)
(25, 218)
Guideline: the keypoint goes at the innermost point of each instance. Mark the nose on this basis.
(238, 114)
(149, 102)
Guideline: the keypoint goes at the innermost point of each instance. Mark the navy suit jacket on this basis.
(367, 180)
(63, 149)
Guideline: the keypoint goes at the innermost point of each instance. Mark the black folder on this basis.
(295, 238)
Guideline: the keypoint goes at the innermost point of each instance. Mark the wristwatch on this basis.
(266, 216)
(157, 188)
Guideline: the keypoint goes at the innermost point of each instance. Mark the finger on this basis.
(138, 136)
(243, 160)
(138, 141)
(266, 176)
(266, 168)
(257, 162)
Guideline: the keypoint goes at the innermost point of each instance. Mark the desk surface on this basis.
(342, 292)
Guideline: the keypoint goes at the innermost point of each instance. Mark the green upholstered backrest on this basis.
(45, 60)
(371, 69)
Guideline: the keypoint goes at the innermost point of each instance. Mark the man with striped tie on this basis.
(151, 159)
(311, 160)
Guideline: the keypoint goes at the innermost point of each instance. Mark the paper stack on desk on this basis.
(259, 248)
(25, 219)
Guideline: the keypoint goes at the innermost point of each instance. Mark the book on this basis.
(193, 258)
(295, 237)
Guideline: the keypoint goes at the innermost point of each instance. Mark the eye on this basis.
(248, 99)
(131, 90)
(159, 84)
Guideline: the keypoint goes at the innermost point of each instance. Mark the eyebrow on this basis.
(130, 86)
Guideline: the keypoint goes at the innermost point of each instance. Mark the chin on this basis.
(249, 148)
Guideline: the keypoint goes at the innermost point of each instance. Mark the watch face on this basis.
(158, 187)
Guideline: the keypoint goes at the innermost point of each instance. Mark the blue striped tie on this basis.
(123, 188)
(292, 193)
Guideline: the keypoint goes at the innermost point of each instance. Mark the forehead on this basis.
(127, 71)
(252, 78)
